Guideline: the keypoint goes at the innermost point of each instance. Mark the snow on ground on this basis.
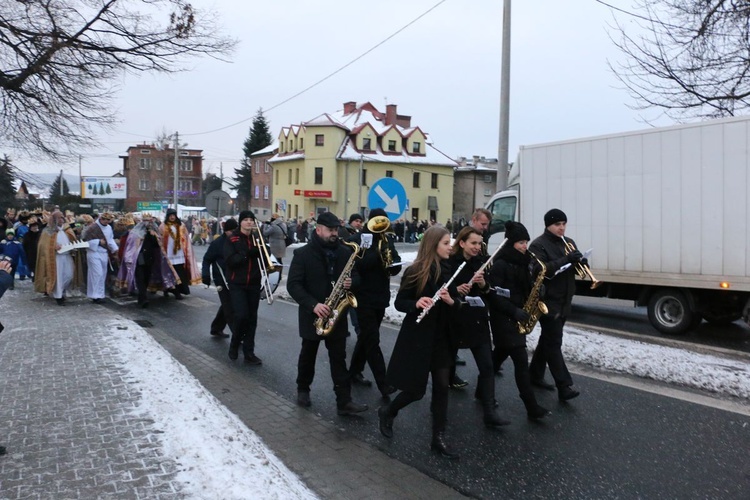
(218, 454)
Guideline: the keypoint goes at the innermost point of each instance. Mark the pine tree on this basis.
(260, 137)
(7, 191)
(54, 191)
(108, 190)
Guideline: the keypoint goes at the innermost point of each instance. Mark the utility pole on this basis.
(176, 166)
(502, 154)
(80, 177)
(61, 183)
(359, 181)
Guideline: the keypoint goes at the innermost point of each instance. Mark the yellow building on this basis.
(330, 162)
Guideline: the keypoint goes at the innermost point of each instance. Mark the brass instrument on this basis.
(582, 270)
(381, 224)
(534, 306)
(340, 298)
(265, 264)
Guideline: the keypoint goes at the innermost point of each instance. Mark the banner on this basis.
(104, 187)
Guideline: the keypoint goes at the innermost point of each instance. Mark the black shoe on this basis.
(566, 393)
(438, 446)
(459, 361)
(178, 296)
(351, 408)
(3, 451)
(385, 422)
(387, 390)
(458, 383)
(219, 334)
(234, 352)
(492, 419)
(495, 404)
(99, 301)
(60, 302)
(303, 399)
(538, 413)
(143, 305)
(542, 385)
(253, 360)
(359, 379)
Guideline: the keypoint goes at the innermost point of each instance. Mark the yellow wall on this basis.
(416, 136)
(392, 135)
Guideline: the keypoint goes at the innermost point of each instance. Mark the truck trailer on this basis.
(665, 211)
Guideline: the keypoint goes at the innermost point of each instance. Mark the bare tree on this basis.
(60, 61)
(687, 58)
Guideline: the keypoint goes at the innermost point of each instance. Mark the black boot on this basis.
(478, 395)
(487, 393)
(533, 409)
(386, 419)
(234, 348)
(438, 446)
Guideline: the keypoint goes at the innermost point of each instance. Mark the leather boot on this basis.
(533, 409)
(438, 446)
(386, 418)
(487, 393)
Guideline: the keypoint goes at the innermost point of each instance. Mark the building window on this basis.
(319, 139)
(265, 192)
(487, 178)
(296, 176)
(364, 177)
(415, 180)
(488, 192)
(159, 185)
(184, 153)
(144, 163)
(389, 173)
(257, 191)
(257, 166)
(290, 177)
(415, 147)
(318, 175)
(265, 166)
(277, 177)
(434, 181)
(159, 164)
(186, 165)
(366, 144)
(144, 185)
(185, 185)
(391, 145)
(281, 147)
(301, 143)
(291, 145)
(145, 151)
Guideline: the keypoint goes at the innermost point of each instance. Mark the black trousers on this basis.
(225, 314)
(337, 360)
(367, 349)
(520, 368)
(184, 286)
(245, 307)
(142, 276)
(439, 405)
(549, 352)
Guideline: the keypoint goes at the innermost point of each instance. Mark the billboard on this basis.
(104, 187)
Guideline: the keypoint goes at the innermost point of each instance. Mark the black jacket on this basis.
(510, 271)
(375, 281)
(241, 260)
(560, 288)
(213, 263)
(312, 273)
(471, 328)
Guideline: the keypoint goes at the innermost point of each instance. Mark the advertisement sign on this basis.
(104, 187)
(148, 206)
(314, 194)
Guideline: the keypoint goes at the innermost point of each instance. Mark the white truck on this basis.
(665, 211)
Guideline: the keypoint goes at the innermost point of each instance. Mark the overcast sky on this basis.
(443, 70)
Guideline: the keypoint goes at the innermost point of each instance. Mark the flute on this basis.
(436, 297)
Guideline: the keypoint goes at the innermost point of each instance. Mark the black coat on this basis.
(241, 260)
(510, 271)
(374, 290)
(560, 288)
(213, 262)
(310, 282)
(471, 328)
(412, 356)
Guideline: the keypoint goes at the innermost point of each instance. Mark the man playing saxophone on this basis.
(510, 271)
(551, 249)
(315, 269)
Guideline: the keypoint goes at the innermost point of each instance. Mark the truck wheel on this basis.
(722, 319)
(669, 312)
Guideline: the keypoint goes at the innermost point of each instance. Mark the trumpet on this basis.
(582, 270)
(265, 264)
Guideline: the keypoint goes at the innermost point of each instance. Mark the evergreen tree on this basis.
(54, 191)
(7, 191)
(108, 190)
(260, 137)
(212, 182)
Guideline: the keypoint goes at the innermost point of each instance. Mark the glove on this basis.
(574, 256)
(521, 316)
(584, 262)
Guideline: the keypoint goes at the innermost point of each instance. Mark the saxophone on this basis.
(340, 298)
(534, 306)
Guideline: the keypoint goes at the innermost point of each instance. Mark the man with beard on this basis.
(56, 272)
(176, 246)
(314, 270)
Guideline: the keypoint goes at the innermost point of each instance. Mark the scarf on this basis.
(175, 236)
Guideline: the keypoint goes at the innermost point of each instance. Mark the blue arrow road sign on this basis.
(389, 194)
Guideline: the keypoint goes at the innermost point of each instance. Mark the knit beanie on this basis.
(553, 216)
(245, 214)
(515, 231)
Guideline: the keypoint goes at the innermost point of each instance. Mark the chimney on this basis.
(350, 107)
(390, 114)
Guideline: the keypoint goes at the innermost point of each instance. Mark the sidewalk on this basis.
(76, 415)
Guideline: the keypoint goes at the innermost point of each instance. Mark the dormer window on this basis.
(319, 139)
(366, 145)
(391, 145)
(415, 147)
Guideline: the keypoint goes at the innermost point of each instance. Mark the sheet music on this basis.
(587, 253)
(474, 301)
(503, 292)
(366, 240)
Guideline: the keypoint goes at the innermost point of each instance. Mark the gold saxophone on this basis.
(534, 306)
(340, 298)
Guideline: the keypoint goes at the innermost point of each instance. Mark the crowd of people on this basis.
(455, 295)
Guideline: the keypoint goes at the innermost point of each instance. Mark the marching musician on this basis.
(423, 348)
(213, 264)
(472, 329)
(373, 297)
(312, 274)
(244, 281)
(551, 250)
(510, 271)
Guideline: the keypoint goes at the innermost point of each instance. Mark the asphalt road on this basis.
(614, 441)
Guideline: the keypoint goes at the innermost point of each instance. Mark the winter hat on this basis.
(171, 211)
(553, 216)
(354, 217)
(375, 212)
(328, 220)
(10, 231)
(515, 231)
(230, 225)
(245, 214)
